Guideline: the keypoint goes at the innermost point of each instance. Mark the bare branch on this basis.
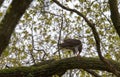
(52, 67)
(115, 16)
(59, 39)
(10, 21)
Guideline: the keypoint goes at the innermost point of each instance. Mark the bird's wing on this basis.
(72, 41)
(66, 45)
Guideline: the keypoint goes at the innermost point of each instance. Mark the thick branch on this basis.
(1, 1)
(115, 16)
(52, 67)
(8, 24)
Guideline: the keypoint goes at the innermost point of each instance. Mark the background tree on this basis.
(39, 29)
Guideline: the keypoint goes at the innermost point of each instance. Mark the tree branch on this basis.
(8, 24)
(53, 67)
(115, 16)
(1, 1)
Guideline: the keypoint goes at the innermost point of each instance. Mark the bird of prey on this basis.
(72, 44)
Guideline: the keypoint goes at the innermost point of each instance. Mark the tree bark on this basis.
(115, 16)
(8, 24)
(53, 67)
(1, 1)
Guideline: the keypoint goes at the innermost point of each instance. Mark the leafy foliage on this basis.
(36, 37)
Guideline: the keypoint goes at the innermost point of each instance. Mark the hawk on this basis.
(72, 44)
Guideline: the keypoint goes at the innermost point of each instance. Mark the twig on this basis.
(31, 53)
(59, 39)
